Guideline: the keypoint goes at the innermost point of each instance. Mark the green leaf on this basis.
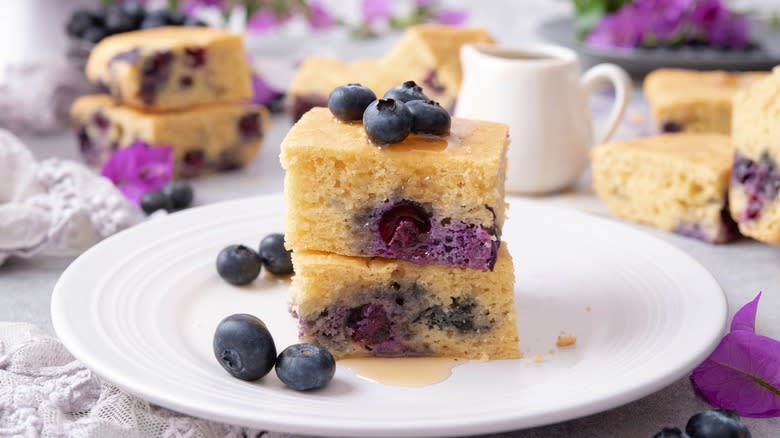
(587, 19)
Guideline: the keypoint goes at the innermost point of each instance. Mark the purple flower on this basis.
(743, 373)
(424, 3)
(319, 17)
(730, 31)
(139, 169)
(262, 92)
(450, 17)
(664, 19)
(190, 6)
(375, 10)
(263, 20)
(623, 29)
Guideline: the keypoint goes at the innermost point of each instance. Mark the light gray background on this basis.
(742, 268)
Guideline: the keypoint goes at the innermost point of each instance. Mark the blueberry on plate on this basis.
(244, 347)
(176, 18)
(238, 264)
(670, 432)
(304, 367)
(387, 121)
(276, 258)
(716, 423)
(180, 194)
(155, 18)
(428, 117)
(118, 20)
(153, 201)
(94, 34)
(79, 22)
(135, 10)
(348, 102)
(406, 92)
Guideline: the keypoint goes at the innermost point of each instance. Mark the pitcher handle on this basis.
(622, 85)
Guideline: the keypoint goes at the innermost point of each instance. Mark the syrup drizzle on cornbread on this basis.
(403, 371)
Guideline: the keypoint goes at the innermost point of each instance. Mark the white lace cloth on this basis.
(45, 393)
(54, 206)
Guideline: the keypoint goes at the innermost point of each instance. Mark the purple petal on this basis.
(450, 17)
(745, 318)
(139, 169)
(623, 29)
(262, 92)
(262, 21)
(375, 10)
(319, 16)
(424, 3)
(191, 6)
(742, 374)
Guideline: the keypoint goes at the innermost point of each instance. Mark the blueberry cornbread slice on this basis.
(756, 175)
(381, 307)
(428, 200)
(206, 138)
(427, 54)
(694, 101)
(172, 67)
(676, 182)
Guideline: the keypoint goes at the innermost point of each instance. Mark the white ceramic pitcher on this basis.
(538, 91)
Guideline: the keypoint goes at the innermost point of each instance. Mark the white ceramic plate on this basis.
(140, 309)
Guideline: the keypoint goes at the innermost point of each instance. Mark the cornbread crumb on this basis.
(538, 358)
(587, 308)
(566, 340)
(551, 351)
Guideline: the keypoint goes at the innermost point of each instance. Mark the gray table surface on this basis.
(742, 269)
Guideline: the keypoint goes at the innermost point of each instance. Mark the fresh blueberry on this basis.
(428, 117)
(238, 264)
(670, 432)
(348, 102)
(180, 194)
(276, 258)
(387, 121)
(118, 20)
(135, 10)
(94, 34)
(716, 423)
(156, 18)
(79, 22)
(244, 347)
(406, 92)
(153, 201)
(303, 367)
(176, 18)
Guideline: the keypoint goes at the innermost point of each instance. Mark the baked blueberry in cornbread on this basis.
(172, 67)
(694, 101)
(676, 182)
(381, 307)
(207, 138)
(426, 54)
(427, 199)
(755, 177)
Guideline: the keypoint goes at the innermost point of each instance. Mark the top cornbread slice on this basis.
(695, 101)
(337, 180)
(172, 67)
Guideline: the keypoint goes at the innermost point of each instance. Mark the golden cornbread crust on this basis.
(212, 129)
(420, 50)
(322, 280)
(334, 171)
(756, 133)
(118, 62)
(697, 101)
(667, 181)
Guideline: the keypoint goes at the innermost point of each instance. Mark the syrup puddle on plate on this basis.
(403, 371)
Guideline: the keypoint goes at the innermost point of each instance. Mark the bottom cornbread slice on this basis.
(356, 306)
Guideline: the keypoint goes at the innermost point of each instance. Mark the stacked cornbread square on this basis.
(427, 54)
(755, 176)
(676, 182)
(397, 249)
(186, 88)
(695, 101)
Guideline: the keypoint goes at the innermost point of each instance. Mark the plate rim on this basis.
(80, 350)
